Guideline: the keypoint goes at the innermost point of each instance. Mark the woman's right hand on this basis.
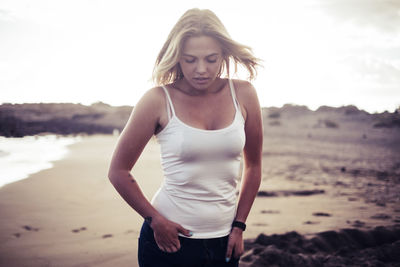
(166, 234)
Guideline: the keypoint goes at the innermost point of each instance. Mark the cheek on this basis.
(219, 66)
(187, 68)
(216, 67)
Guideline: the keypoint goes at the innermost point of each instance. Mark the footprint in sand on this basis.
(356, 223)
(260, 224)
(27, 228)
(79, 230)
(310, 222)
(107, 236)
(30, 228)
(270, 212)
(321, 214)
(381, 216)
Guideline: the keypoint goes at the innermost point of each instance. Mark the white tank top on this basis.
(201, 170)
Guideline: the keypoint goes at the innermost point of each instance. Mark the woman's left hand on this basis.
(235, 244)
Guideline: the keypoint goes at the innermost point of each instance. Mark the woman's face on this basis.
(201, 61)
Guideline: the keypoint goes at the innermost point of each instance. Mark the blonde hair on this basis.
(196, 22)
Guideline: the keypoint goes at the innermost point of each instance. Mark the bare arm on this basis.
(252, 154)
(136, 134)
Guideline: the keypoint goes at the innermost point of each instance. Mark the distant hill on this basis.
(17, 120)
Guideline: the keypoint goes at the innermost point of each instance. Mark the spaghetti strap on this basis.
(233, 93)
(170, 106)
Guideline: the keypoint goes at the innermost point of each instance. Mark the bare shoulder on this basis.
(148, 110)
(246, 93)
(153, 97)
(151, 102)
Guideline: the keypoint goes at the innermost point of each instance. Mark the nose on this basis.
(201, 67)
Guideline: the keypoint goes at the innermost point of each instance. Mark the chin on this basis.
(202, 86)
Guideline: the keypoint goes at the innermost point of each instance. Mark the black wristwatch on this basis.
(240, 225)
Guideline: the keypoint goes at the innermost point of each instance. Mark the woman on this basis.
(203, 124)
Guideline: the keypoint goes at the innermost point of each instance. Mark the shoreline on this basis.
(22, 157)
(70, 214)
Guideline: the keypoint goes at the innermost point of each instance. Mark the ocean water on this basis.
(20, 157)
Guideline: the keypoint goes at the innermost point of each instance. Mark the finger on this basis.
(229, 249)
(184, 231)
(237, 252)
(169, 249)
(178, 245)
(161, 246)
(175, 247)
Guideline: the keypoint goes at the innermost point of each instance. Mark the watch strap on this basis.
(240, 225)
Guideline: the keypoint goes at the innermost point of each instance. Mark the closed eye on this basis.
(212, 58)
(189, 58)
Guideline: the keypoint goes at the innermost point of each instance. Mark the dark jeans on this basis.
(193, 252)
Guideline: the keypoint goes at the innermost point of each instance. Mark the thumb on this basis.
(184, 231)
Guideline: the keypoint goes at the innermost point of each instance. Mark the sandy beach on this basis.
(70, 215)
(316, 178)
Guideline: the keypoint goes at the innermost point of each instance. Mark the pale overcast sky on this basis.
(330, 52)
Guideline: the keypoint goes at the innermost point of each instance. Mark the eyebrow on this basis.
(210, 55)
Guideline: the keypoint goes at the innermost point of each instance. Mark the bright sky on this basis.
(331, 52)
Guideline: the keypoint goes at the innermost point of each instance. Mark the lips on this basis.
(201, 80)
